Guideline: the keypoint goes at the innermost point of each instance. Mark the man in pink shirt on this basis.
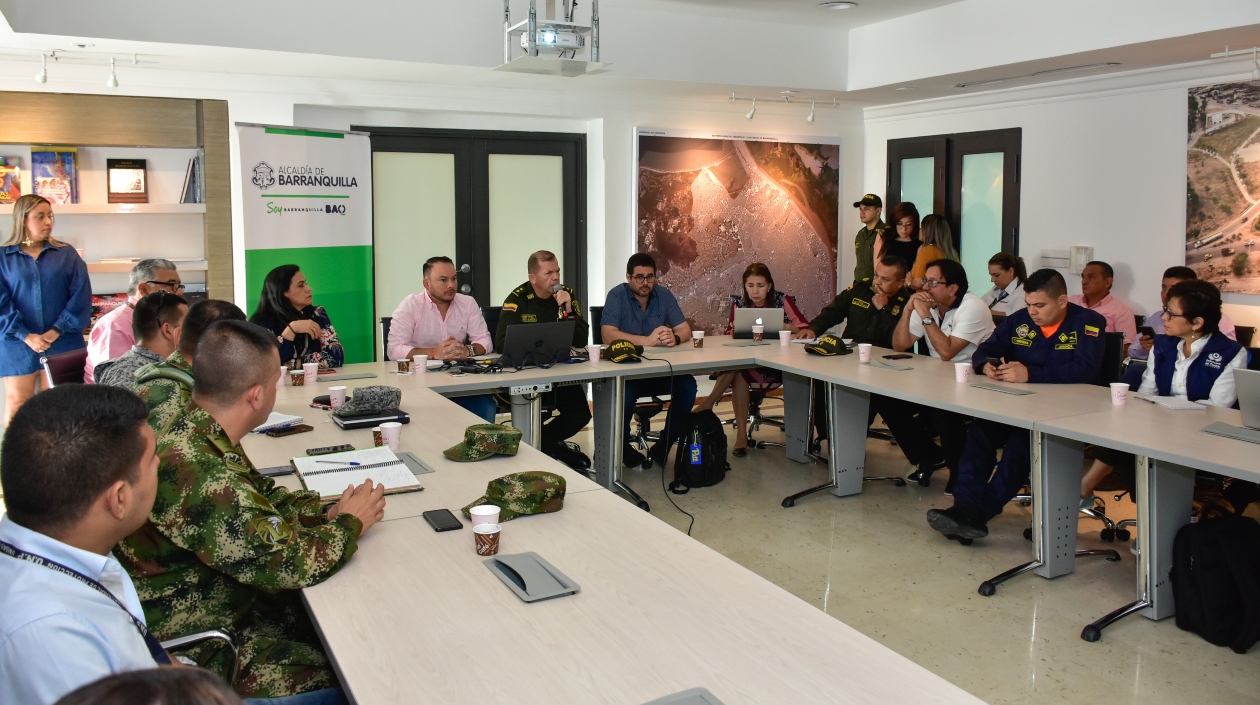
(111, 337)
(1096, 280)
(442, 324)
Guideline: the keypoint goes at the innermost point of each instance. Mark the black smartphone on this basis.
(898, 356)
(1147, 331)
(442, 520)
(282, 432)
(995, 361)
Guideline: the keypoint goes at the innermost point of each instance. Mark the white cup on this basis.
(848, 342)
(484, 514)
(311, 371)
(420, 363)
(785, 337)
(864, 352)
(962, 372)
(336, 396)
(391, 431)
(1119, 393)
(284, 376)
(593, 351)
(697, 339)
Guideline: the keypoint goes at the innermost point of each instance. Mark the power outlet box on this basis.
(532, 388)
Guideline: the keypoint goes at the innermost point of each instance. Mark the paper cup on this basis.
(391, 432)
(404, 366)
(486, 539)
(962, 372)
(297, 378)
(785, 337)
(697, 339)
(758, 332)
(864, 352)
(1119, 393)
(484, 514)
(284, 377)
(311, 371)
(378, 440)
(848, 342)
(336, 396)
(593, 351)
(421, 362)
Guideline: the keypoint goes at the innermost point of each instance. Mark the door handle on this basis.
(464, 268)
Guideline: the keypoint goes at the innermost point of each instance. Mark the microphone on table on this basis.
(568, 306)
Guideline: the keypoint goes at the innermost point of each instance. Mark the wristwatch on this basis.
(472, 352)
(928, 320)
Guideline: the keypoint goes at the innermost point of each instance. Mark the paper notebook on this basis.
(330, 474)
(1171, 402)
(277, 420)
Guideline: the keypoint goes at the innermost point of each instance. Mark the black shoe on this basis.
(956, 522)
(632, 458)
(740, 452)
(658, 454)
(575, 459)
(923, 475)
(949, 486)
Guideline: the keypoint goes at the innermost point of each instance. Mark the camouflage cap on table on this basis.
(369, 400)
(828, 345)
(484, 440)
(522, 493)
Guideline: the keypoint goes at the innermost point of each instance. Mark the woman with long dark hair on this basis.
(303, 330)
(1008, 275)
(759, 292)
(938, 243)
(902, 239)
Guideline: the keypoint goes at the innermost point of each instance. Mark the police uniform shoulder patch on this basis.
(1091, 331)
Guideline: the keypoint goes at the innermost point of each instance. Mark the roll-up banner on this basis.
(308, 201)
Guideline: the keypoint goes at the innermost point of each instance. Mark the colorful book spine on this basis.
(55, 174)
(10, 179)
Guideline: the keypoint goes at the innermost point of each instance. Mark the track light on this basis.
(752, 112)
(810, 119)
(42, 76)
(113, 77)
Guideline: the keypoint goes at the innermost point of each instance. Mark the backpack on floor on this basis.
(1216, 580)
(701, 457)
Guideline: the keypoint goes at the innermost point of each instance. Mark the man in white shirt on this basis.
(953, 321)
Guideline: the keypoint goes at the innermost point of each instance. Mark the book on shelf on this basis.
(55, 173)
(330, 474)
(119, 260)
(127, 180)
(194, 190)
(10, 179)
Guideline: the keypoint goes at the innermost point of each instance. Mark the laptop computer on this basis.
(1247, 383)
(537, 344)
(746, 318)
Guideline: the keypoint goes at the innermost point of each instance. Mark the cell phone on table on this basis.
(898, 356)
(289, 431)
(995, 361)
(1147, 331)
(442, 520)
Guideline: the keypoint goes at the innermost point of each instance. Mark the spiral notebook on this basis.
(277, 420)
(329, 475)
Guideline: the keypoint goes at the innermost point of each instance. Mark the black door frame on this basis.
(472, 150)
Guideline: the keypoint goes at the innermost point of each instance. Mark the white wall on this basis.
(1104, 164)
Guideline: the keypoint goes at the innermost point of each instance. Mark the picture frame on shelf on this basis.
(127, 180)
(55, 174)
(10, 179)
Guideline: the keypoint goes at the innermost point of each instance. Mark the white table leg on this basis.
(846, 444)
(527, 416)
(1165, 502)
(1056, 489)
(607, 397)
(797, 398)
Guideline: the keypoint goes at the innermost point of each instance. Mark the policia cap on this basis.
(828, 345)
(621, 351)
(870, 199)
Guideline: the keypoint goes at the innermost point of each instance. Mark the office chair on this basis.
(597, 317)
(491, 314)
(64, 368)
(385, 321)
(1246, 335)
(180, 643)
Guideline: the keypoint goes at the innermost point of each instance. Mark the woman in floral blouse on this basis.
(303, 330)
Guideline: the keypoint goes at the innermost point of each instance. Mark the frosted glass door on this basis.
(981, 222)
(413, 197)
(918, 184)
(526, 193)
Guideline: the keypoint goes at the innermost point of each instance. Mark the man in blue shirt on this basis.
(642, 313)
(1050, 342)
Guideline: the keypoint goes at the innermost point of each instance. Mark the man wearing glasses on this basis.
(642, 313)
(111, 337)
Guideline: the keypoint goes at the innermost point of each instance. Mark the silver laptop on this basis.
(1248, 385)
(746, 318)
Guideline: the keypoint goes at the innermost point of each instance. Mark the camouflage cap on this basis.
(622, 351)
(370, 400)
(484, 440)
(828, 345)
(522, 493)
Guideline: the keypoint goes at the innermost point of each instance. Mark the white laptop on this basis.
(746, 318)
(1248, 385)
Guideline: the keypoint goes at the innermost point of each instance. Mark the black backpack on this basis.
(1216, 580)
(701, 457)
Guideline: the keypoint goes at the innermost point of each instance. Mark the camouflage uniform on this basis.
(522, 493)
(163, 392)
(484, 440)
(226, 548)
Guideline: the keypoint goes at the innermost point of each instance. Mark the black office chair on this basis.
(64, 368)
(385, 321)
(1113, 356)
(189, 641)
(491, 314)
(1245, 334)
(597, 317)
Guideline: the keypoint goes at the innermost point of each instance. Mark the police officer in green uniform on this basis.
(543, 299)
(869, 210)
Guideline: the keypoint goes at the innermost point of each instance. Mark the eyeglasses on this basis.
(932, 283)
(1170, 314)
(175, 286)
(644, 278)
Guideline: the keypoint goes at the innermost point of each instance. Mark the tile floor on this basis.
(872, 561)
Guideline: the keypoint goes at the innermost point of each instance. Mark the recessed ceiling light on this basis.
(83, 45)
(837, 5)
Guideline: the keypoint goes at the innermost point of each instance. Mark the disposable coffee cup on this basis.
(593, 351)
(297, 378)
(421, 362)
(785, 337)
(758, 332)
(864, 352)
(391, 432)
(848, 342)
(484, 514)
(311, 371)
(284, 377)
(962, 372)
(378, 440)
(404, 366)
(1119, 393)
(486, 538)
(336, 396)
(697, 339)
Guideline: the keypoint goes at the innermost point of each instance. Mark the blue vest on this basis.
(1216, 354)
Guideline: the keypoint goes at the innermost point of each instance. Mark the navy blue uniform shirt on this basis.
(1073, 355)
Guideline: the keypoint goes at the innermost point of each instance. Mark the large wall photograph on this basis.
(1223, 185)
(708, 206)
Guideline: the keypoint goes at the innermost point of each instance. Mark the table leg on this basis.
(527, 416)
(607, 397)
(796, 403)
(846, 444)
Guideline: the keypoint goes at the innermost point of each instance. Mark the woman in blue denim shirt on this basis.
(45, 299)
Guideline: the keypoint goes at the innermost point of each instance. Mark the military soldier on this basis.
(224, 547)
(543, 299)
(166, 387)
(872, 306)
(865, 244)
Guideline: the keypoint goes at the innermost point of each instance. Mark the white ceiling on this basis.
(809, 12)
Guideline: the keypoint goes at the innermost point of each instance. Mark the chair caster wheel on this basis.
(1091, 633)
(1028, 534)
(789, 503)
(987, 589)
(1113, 558)
(647, 465)
(644, 506)
(1107, 535)
(899, 482)
(1123, 535)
